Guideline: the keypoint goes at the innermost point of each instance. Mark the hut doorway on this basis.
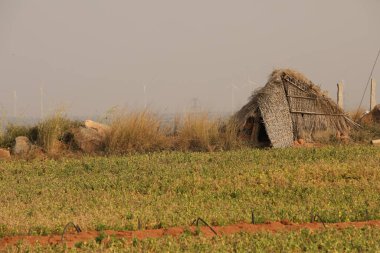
(255, 130)
(261, 133)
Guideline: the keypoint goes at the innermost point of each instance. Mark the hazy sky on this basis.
(91, 55)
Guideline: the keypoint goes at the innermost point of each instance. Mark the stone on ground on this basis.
(88, 140)
(4, 154)
(22, 146)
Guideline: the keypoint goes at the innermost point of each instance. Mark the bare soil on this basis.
(71, 238)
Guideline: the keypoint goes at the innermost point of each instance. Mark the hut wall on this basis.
(274, 109)
(313, 114)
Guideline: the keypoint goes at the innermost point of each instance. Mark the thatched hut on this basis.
(290, 107)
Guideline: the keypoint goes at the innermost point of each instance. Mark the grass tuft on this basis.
(132, 132)
(51, 131)
(200, 132)
(197, 132)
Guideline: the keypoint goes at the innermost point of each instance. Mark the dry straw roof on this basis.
(292, 107)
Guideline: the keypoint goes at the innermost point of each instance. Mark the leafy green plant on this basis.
(102, 235)
(366, 133)
(12, 131)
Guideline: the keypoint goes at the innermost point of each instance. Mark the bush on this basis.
(197, 132)
(136, 132)
(12, 131)
(52, 129)
(200, 132)
(229, 138)
(366, 133)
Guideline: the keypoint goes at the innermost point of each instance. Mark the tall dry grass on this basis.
(229, 136)
(355, 115)
(135, 132)
(200, 132)
(197, 132)
(51, 130)
(144, 131)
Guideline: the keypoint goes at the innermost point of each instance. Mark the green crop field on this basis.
(167, 189)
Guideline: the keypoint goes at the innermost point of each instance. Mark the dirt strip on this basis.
(71, 238)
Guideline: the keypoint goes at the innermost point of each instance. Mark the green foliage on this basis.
(102, 235)
(366, 133)
(12, 131)
(172, 188)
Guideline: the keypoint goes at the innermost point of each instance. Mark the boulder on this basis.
(102, 129)
(88, 140)
(4, 154)
(22, 146)
(301, 141)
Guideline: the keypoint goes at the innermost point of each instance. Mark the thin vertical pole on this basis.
(232, 98)
(340, 94)
(145, 98)
(373, 94)
(14, 104)
(42, 102)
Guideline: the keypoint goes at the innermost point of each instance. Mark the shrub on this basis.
(228, 135)
(12, 131)
(136, 132)
(52, 130)
(366, 133)
(197, 132)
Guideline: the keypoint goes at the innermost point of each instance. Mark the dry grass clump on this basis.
(356, 114)
(197, 132)
(135, 132)
(200, 132)
(51, 130)
(144, 132)
(229, 136)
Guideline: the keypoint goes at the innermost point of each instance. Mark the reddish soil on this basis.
(72, 238)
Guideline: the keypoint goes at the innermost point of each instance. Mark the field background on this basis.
(340, 183)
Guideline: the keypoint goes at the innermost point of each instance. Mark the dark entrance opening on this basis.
(262, 136)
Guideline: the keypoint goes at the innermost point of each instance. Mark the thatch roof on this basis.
(291, 107)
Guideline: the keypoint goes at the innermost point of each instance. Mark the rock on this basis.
(301, 141)
(102, 129)
(4, 154)
(22, 146)
(88, 140)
